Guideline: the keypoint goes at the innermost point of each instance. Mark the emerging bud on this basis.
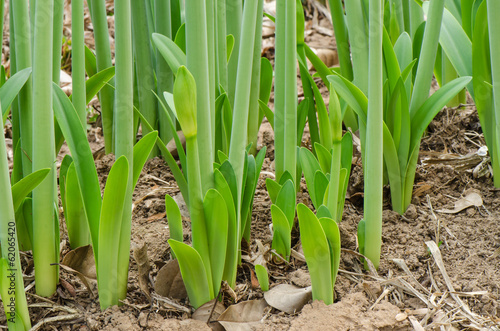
(185, 101)
(335, 115)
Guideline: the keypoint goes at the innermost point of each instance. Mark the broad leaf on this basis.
(173, 55)
(424, 115)
(317, 254)
(309, 166)
(174, 219)
(142, 149)
(193, 273)
(286, 201)
(273, 188)
(232, 242)
(96, 82)
(321, 183)
(351, 94)
(75, 136)
(332, 233)
(282, 232)
(11, 88)
(217, 232)
(76, 218)
(22, 188)
(109, 231)
(324, 157)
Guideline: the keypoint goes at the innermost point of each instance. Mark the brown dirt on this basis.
(469, 243)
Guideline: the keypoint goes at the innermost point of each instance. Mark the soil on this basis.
(412, 285)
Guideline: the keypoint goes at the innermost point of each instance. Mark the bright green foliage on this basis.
(109, 232)
(321, 244)
(174, 219)
(86, 174)
(76, 219)
(283, 215)
(262, 277)
(10, 262)
(45, 216)
(193, 273)
(10, 90)
(185, 100)
(327, 174)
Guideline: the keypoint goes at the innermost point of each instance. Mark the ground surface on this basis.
(413, 284)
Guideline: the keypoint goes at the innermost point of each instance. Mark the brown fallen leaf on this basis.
(243, 316)
(254, 280)
(141, 258)
(209, 312)
(288, 298)
(81, 260)
(421, 189)
(169, 281)
(470, 200)
(156, 217)
(172, 147)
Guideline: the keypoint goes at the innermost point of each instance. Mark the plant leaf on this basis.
(75, 136)
(351, 94)
(109, 232)
(424, 115)
(324, 157)
(216, 216)
(174, 219)
(332, 233)
(282, 240)
(273, 188)
(76, 218)
(309, 167)
(222, 187)
(320, 186)
(142, 149)
(193, 273)
(11, 88)
(262, 276)
(173, 55)
(22, 188)
(97, 81)
(90, 62)
(317, 254)
(456, 44)
(286, 201)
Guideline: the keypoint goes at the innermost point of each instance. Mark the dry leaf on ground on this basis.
(288, 298)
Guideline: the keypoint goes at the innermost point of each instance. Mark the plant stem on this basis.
(359, 43)
(144, 66)
(279, 89)
(103, 57)
(198, 222)
(233, 27)
(427, 58)
(493, 7)
(78, 61)
(45, 223)
(341, 37)
(221, 50)
(373, 152)
(124, 132)
(7, 226)
(290, 103)
(197, 63)
(57, 40)
(253, 118)
(164, 75)
(22, 47)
